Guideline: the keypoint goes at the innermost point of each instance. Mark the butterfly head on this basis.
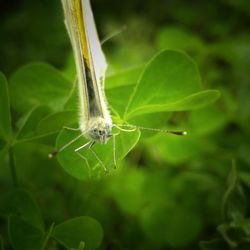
(100, 130)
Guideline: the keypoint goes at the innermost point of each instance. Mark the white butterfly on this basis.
(95, 122)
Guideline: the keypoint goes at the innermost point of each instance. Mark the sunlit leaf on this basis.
(192, 102)
(170, 82)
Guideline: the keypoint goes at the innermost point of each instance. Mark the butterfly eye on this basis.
(100, 132)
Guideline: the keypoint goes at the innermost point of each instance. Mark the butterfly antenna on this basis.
(113, 34)
(181, 133)
(55, 152)
(132, 128)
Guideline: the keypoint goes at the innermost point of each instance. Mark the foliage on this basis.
(167, 71)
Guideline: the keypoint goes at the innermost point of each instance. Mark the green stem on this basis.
(48, 235)
(12, 164)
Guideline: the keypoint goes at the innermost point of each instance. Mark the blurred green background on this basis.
(170, 193)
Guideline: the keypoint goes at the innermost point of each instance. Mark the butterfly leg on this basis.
(55, 152)
(85, 159)
(90, 144)
(114, 150)
(71, 129)
(83, 146)
(96, 156)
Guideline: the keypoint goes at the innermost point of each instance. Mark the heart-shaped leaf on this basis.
(30, 122)
(54, 122)
(81, 229)
(124, 78)
(38, 84)
(170, 82)
(85, 164)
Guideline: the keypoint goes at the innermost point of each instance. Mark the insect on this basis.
(95, 122)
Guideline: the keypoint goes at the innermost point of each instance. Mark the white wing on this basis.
(89, 58)
(99, 61)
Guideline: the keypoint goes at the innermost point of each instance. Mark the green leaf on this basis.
(168, 77)
(114, 100)
(5, 117)
(120, 84)
(192, 102)
(24, 236)
(124, 78)
(154, 120)
(72, 102)
(38, 84)
(55, 122)
(170, 82)
(91, 167)
(81, 229)
(20, 202)
(30, 122)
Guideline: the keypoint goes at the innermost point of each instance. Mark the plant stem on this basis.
(12, 164)
(48, 235)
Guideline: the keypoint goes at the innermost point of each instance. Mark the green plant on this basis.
(168, 192)
(43, 108)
